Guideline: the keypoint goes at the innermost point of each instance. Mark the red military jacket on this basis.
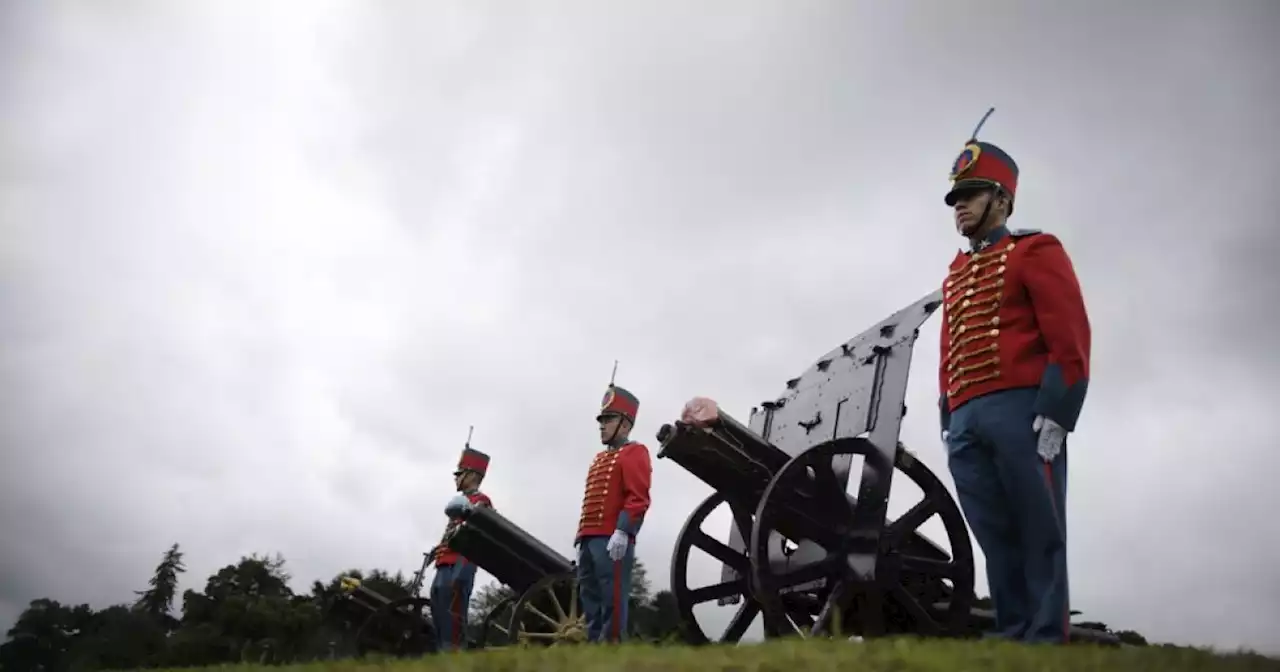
(444, 555)
(617, 491)
(1013, 316)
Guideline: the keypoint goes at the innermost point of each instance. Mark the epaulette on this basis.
(1023, 233)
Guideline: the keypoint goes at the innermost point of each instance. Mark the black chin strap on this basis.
(614, 438)
(986, 211)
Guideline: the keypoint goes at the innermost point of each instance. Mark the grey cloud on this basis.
(261, 274)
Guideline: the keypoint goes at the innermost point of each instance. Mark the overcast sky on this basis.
(263, 263)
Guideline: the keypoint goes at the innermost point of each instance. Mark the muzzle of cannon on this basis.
(802, 551)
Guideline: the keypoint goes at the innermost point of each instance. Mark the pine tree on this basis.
(157, 601)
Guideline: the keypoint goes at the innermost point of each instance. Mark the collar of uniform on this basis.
(994, 236)
(472, 491)
(611, 448)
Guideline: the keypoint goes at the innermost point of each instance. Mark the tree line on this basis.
(246, 612)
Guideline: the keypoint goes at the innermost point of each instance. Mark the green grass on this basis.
(889, 655)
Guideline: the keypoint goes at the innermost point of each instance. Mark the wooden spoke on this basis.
(912, 519)
(547, 619)
(718, 591)
(720, 551)
(741, 621)
(555, 602)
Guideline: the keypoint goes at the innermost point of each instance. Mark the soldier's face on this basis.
(609, 425)
(971, 203)
(466, 480)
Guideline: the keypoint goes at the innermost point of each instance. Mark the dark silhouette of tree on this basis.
(657, 620)
(640, 586)
(157, 600)
(246, 612)
(119, 638)
(485, 598)
(42, 639)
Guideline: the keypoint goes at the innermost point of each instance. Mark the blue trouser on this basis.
(450, 595)
(1015, 503)
(605, 587)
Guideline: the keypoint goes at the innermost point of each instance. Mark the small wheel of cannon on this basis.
(549, 613)
(929, 591)
(495, 630)
(400, 628)
(735, 591)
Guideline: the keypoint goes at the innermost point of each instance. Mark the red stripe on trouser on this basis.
(456, 613)
(1066, 608)
(616, 624)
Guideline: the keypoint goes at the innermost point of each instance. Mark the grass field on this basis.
(902, 655)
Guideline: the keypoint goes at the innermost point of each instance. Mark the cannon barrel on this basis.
(736, 462)
(725, 455)
(514, 557)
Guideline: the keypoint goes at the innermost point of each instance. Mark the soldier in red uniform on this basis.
(1013, 376)
(613, 508)
(455, 575)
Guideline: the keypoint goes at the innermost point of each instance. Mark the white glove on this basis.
(457, 506)
(617, 546)
(1052, 436)
(945, 435)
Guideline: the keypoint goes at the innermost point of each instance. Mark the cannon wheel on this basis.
(400, 628)
(495, 630)
(930, 591)
(692, 536)
(735, 591)
(549, 613)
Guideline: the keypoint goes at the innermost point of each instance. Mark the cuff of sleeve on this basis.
(944, 413)
(626, 524)
(1057, 400)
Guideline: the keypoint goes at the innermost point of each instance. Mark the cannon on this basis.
(803, 553)
(545, 608)
(396, 624)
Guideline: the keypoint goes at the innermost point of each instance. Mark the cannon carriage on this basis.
(803, 553)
